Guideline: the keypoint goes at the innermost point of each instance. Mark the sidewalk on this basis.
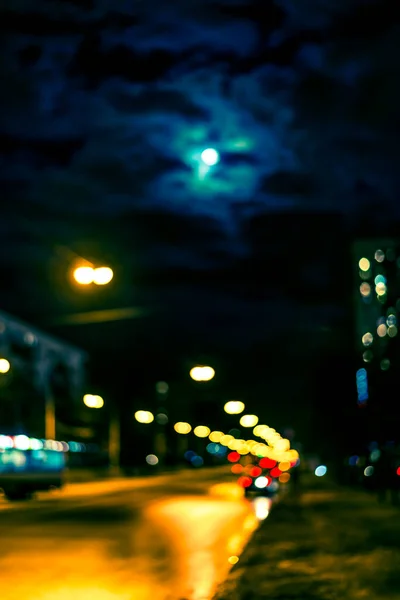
(332, 544)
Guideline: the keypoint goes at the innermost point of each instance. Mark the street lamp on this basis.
(202, 373)
(84, 275)
(4, 366)
(234, 407)
(249, 421)
(93, 401)
(182, 428)
(144, 416)
(102, 275)
(87, 274)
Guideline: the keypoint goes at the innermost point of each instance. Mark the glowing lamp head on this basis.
(4, 365)
(102, 275)
(93, 401)
(84, 275)
(144, 416)
(234, 407)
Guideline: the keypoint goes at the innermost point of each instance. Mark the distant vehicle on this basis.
(261, 486)
(27, 466)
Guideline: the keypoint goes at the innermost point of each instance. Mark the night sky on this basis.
(105, 108)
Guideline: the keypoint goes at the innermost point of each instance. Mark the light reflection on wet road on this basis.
(167, 538)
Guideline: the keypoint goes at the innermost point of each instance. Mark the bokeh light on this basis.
(321, 471)
(102, 275)
(367, 339)
(234, 407)
(84, 275)
(144, 416)
(215, 436)
(182, 427)
(248, 420)
(152, 459)
(93, 401)
(364, 264)
(4, 365)
(202, 373)
(201, 431)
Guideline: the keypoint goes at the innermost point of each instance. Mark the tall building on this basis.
(376, 264)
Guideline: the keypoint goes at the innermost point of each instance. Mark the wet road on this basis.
(164, 538)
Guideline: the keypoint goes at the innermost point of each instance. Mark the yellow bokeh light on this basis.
(93, 401)
(284, 478)
(84, 275)
(234, 407)
(201, 431)
(233, 560)
(364, 264)
(182, 428)
(4, 365)
(380, 289)
(215, 436)
(144, 416)
(102, 275)
(224, 441)
(249, 420)
(282, 445)
(202, 373)
(260, 430)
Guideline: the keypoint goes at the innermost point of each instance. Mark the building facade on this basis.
(376, 265)
(44, 383)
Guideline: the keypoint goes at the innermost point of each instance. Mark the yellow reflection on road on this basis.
(175, 547)
(205, 532)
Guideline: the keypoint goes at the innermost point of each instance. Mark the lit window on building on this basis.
(381, 330)
(365, 289)
(379, 256)
(364, 264)
(367, 339)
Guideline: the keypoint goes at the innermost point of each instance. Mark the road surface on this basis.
(170, 537)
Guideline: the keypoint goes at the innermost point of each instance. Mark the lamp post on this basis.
(94, 401)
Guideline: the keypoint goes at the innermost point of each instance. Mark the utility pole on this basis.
(114, 440)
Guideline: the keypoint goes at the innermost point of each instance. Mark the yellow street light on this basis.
(84, 275)
(102, 275)
(234, 407)
(215, 436)
(201, 431)
(182, 428)
(249, 421)
(93, 401)
(4, 365)
(144, 416)
(202, 373)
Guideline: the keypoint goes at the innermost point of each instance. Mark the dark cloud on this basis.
(106, 108)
